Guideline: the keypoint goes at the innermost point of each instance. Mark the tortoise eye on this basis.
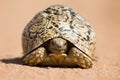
(65, 43)
(52, 43)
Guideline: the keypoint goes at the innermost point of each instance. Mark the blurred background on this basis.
(104, 17)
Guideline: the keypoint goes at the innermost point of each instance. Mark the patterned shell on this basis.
(59, 21)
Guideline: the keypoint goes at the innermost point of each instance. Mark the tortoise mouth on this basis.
(59, 50)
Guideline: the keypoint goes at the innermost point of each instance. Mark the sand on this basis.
(104, 17)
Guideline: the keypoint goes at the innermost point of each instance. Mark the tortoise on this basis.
(58, 36)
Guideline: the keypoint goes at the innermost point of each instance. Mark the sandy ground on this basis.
(104, 17)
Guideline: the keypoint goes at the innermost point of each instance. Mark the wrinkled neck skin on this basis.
(58, 45)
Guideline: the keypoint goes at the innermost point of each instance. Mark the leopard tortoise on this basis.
(58, 36)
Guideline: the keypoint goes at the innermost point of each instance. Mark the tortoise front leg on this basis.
(79, 58)
(36, 57)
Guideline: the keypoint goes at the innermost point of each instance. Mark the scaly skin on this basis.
(74, 58)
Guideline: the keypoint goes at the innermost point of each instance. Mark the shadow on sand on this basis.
(17, 60)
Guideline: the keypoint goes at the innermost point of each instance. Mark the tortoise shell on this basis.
(59, 21)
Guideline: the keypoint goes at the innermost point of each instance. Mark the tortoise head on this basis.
(57, 45)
